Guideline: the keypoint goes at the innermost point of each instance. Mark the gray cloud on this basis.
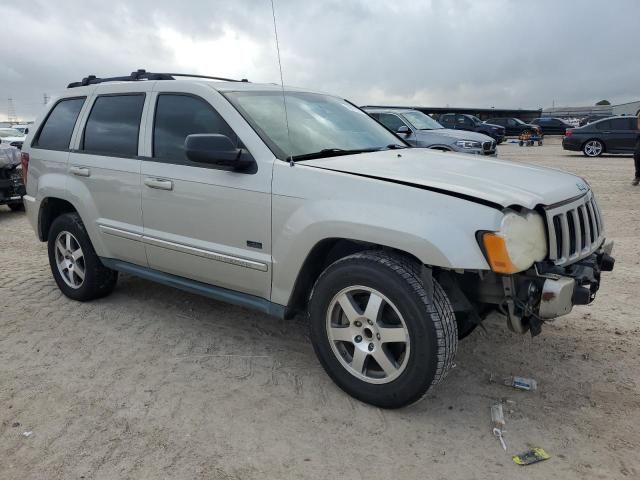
(480, 53)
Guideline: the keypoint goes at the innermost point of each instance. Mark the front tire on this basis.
(16, 207)
(76, 267)
(593, 148)
(377, 332)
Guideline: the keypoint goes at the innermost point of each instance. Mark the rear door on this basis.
(625, 132)
(202, 223)
(104, 171)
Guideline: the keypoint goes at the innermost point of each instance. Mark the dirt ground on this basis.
(154, 383)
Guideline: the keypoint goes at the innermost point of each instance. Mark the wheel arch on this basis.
(323, 254)
(442, 148)
(50, 209)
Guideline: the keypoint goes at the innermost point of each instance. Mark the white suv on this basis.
(394, 252)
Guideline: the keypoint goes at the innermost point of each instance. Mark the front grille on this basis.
(575, 229)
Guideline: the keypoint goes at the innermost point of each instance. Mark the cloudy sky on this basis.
(483, 53)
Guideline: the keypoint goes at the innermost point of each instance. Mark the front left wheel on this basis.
(377, 331)
(76, 267)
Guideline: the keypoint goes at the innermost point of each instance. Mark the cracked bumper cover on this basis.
(553, 291)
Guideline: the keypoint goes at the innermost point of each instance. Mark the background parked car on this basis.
(592, 118)
(514, 126)
(421, 130)
(12, 137)
(611, 135)
(11, 183)
(551, 126)
(463, 121)
(23, 128)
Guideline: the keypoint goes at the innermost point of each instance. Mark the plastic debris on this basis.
(27, 434)
(521, 383)
(497, 421)
(534, 455)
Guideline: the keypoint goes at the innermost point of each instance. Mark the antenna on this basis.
(284, 98)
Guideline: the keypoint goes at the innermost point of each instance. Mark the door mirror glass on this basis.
(216, 149)
(403, 129)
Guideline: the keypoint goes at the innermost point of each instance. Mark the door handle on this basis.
(80, 171)
(158, 183)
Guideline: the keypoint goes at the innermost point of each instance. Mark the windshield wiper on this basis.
(331, 152)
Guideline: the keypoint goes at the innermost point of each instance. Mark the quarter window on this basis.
(113, 125)
(56, 132)
(178, 116)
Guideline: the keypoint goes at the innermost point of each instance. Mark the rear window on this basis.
(113, 125)
(57, 129)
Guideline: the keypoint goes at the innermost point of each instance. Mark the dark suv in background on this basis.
(611, 135)
(463, 121)
(515, 126)
(551, 126)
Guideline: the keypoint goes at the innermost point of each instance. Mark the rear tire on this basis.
(76, 267)
(593, 148)
(390, 354)
(16, 207)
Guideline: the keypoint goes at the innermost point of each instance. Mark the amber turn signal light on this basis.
(495, 248)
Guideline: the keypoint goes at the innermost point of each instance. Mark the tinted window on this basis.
(57, 129)
(604, 125)
(113, 125)
(446, 119)
(178, 116)
(623, 124)
(392, 122)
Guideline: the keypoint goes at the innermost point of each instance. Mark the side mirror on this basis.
(404, 129)
(217, 150)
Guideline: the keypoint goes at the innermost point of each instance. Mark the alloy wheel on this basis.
(368, 334)
(593, 148)
(70, 259)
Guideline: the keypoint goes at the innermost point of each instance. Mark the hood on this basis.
(456, 134)
(486, 180)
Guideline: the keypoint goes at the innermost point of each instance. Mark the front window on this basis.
(475, 120)
(518, 121)
(319, 125)
(421, 121)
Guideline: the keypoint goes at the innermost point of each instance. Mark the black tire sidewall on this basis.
(91, 287)
(423, 360)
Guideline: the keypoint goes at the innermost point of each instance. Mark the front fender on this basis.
(311, 205)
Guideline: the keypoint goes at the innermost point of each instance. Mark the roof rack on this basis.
(142, 74)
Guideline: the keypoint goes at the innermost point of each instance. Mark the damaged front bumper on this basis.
(548, 291)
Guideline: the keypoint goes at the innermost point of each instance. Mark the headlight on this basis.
(520, 242)
(468, 144)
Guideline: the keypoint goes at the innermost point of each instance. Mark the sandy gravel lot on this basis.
(154, 383)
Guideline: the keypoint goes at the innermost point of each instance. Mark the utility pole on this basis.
(45, 98)
(11, 112)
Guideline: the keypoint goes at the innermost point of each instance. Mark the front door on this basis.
(200, 222)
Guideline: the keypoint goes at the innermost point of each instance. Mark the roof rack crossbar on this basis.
(142, 74)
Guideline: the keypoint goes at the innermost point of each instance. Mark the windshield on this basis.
(318, 124)
(9, 132)
(474, 119)
(518, 121)
(422, 121)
